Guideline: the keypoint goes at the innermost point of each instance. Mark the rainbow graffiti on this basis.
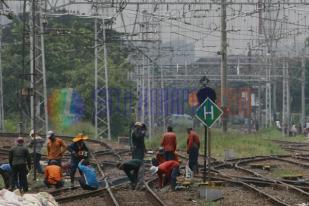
(65, 107)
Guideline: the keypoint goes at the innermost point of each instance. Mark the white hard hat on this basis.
(154, 169)
(138, 124)
(50, 133)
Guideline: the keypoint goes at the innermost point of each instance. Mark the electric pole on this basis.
(223, 65)
(284, 103)
(102, 107)
(1, 86)
(33, 81)
(285, 99)
(303, 80)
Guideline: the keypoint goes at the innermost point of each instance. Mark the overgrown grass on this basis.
(242, 145)
(280, 172)
(208, 204)
(84, 127)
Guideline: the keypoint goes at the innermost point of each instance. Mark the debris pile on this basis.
(8, 198)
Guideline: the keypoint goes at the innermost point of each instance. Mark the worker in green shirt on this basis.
(133, 169)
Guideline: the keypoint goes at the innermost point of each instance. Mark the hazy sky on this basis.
(200, 25)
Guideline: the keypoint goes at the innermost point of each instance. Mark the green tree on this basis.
(69, 54)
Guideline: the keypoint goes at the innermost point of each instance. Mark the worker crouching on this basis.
(5, 172)
(134, 170)
(159, 159)
(168, 170)
(53, 175)
(88, 179)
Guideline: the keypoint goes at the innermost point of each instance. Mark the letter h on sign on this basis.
(209, 113)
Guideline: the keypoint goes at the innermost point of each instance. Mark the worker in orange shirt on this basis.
(168, 169)
(193, 145)
(55, 148)
(169, 143)
(159, 159)
(53, 175)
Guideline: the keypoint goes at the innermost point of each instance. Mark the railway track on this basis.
(285, 191)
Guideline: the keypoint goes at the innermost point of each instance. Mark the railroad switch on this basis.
(261, 166)
(292, 177)
(212, 183)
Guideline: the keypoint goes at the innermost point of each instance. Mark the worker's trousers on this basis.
(138, 153)
(74, 165)
(135, 175)
(193, 159)
(19, 177)
(175, 173)
(169, 155)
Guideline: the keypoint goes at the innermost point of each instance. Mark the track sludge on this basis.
(269, 180)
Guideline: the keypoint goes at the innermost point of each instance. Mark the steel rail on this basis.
(153, 194)
(80, 196)
(268, 196)
(292, 162)
(107, 187)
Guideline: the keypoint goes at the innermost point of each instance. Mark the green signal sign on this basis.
(208, 112)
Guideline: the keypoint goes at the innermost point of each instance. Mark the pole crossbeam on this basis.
(114, 3)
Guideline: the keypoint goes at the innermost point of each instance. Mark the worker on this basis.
(193, 145)
(79, 151)
(133, 169)
(170, 170)
(88, 180)
(169, 144)
(293, 130)
(19, 159)
(55, 148)
(160, 158)
(138, 141)
(5, 172)
(38, 143)
(53, 174)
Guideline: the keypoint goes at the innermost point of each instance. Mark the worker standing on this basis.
(19, 158)
(134, 170)
(170, 169)
(53, 175)
(169, 143)
(138, 141)
(88, 180)
(55, 148)
(38, 143)
(79, 151)
(193, 145)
